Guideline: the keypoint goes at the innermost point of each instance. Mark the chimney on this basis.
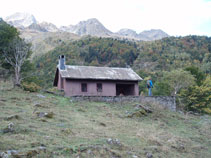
(62, 62)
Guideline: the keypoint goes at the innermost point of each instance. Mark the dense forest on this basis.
(147, 58)
(176, 52)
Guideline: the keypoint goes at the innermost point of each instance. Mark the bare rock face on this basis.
(21, 20)
(68, 28)
(127, 33)
(36, 27)
(43, 27)
(148, 35)
(49, 27)
(90, 27)
(152, 35)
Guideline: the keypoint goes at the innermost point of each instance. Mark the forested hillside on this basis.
(88, 51)
(148, 58)
(175, 52)
(177, 65)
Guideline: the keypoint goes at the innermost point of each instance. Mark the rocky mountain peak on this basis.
(93, 21)
(153, 34)
(149, 35)
(89, 27)
(127, 32)
(36, 27)
(21, 19)
(49, 27)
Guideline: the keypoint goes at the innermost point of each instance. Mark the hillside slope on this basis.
(175, 52)
(149, 57)
(44, 125)
(42, 42)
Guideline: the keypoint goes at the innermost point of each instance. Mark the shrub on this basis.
(31, 87)
(198, 98)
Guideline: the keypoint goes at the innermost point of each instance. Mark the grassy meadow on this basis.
(45, 125)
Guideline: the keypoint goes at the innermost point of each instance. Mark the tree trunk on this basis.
(17, 76)
(175, 102)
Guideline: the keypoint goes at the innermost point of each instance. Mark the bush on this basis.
(161, 88)
(32, 79)
(198, 98)
(197, 73)
(31, 87)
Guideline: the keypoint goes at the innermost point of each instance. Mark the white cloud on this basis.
(176, 17)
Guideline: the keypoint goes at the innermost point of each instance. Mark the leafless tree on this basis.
(15, 55)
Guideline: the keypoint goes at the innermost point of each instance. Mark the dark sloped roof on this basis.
(99, 73)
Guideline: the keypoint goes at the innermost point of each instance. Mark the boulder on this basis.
(4, 155)
(41, 96)
(9, 128)
(17, 117)
(31, 153)
(113, 141)
(147, 109)
(8, 154)
(138, 113)
(45, 114)
(39, 105)
(149, 155)
(102, 124)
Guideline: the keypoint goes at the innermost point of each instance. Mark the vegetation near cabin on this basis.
(47, 125)
(14, 50)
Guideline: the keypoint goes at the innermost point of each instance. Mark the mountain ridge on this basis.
(92, 27)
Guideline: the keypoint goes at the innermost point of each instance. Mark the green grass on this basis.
(83, 128)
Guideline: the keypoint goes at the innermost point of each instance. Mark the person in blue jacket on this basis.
(149, 86)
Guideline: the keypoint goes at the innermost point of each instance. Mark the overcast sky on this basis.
(175, 17)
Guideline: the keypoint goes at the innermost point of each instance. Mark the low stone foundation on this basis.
(165, 101)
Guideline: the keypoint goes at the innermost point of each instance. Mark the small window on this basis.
(99, 87)
(84, 87)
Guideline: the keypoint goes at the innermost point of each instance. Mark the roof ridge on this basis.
(99, 67)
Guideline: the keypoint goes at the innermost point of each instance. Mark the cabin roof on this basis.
(99, 73)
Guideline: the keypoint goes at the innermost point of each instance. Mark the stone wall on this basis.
(165, 101)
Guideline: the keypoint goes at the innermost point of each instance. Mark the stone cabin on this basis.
(95, 81)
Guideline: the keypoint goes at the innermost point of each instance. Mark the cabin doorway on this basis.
(125, 89)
